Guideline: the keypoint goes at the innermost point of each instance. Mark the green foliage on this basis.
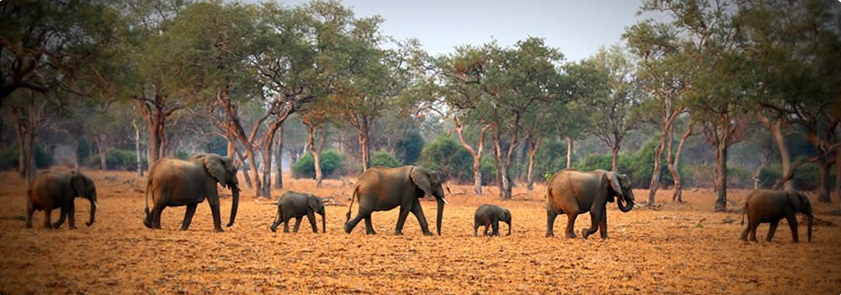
(805, 177)
(10, 156)
(409, 148)
(117, 159)
(448, 157)
(385, 159)
(486, 165)
(83, 149)
(332, 162)
(639, 166)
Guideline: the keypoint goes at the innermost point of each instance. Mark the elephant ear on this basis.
(312, 201)
(420, 177)
(798, 201)
(77, 180)
(216, 168)
(613, 179)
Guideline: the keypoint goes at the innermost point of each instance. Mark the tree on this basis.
(795, 48)
(700, 69)
(614, 101)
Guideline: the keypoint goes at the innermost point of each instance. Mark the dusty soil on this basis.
(674, 249)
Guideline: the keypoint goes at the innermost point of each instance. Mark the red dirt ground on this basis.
(674, 249)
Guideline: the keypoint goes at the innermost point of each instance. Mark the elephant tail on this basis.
(353, 196)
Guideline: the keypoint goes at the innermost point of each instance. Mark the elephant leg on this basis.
(744, 236)
(752, 227)
(475, 228)
(188, 216)
(485, 233)
(792, 223)
(30, 209)
(401, 218)
(363, 213)
(550, 223)
(157, 211)
(772, 230)
(570, 230)
(311, 217)
(47, 216)
(61, 216)
(369, 226)
(297, 223)
(417, 210)
(71, 214)
(213, 201)
(495, 225)
(603, 226)
(595, 218)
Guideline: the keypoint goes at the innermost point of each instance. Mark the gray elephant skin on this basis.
(770, 206)
(55, 190)
(381, 188)
(173, 182)
(489, 216)
(573, 192)
(297, 205)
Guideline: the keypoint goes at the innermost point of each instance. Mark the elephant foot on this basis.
(347, 228)
(274, 229)
(549, 235)
(571, 235)
(72, 227)
(398, 233)
(429, 233)
(584, 233)
(147, 223)
(218, 230)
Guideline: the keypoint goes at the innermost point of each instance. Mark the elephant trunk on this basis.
(93, 212)
(323, 223)
(509, 226)
(627, 200)
(809, 221)
(234, 204)
(440, 214)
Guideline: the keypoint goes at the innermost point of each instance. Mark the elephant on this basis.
(51, 190)
(491, 215)
(382, 188)
(769, 206)
(174, 182)
(293, 204)
(574, 192)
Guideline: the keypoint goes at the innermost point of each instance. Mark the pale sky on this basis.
(577, 28)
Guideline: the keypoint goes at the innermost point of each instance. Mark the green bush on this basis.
(331, 163)
(550, 158)
(117, 159)
(805, 177)
(9, 158)
(449, 158)
(409, 148)
(385, 159)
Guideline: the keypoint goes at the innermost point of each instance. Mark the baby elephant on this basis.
(55, 190)
(491, 215)
(293, 204)
(769, 206)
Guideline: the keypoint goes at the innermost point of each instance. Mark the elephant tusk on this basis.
(95, 205)
(445, 200)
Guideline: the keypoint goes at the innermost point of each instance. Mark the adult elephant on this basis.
(52, 190)
(381, 188)
(173, 182)
(573, 192)
(770, 206)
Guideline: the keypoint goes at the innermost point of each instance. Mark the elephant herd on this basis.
(174, 182)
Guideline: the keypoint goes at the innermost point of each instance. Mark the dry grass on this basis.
(676, 249)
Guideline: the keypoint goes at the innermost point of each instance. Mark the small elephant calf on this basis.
(491, 215)
(294, 204)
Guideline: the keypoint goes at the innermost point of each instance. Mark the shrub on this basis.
(118, 159)
(9, 158)
(408, 149)
(385, 159)
(805, 177)
(331, 163)
(449, 158)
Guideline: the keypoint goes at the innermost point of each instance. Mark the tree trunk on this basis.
(823, 181)
(785, 158)
(533, 147)
(266, 191)
(362, 135)
(677, 196)
(278, 182)
(655, 175)
(315, 156)
(720, 176)
(100, 145)
(476, 154)
(569, 152)
(137, 148)
(614, 163)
